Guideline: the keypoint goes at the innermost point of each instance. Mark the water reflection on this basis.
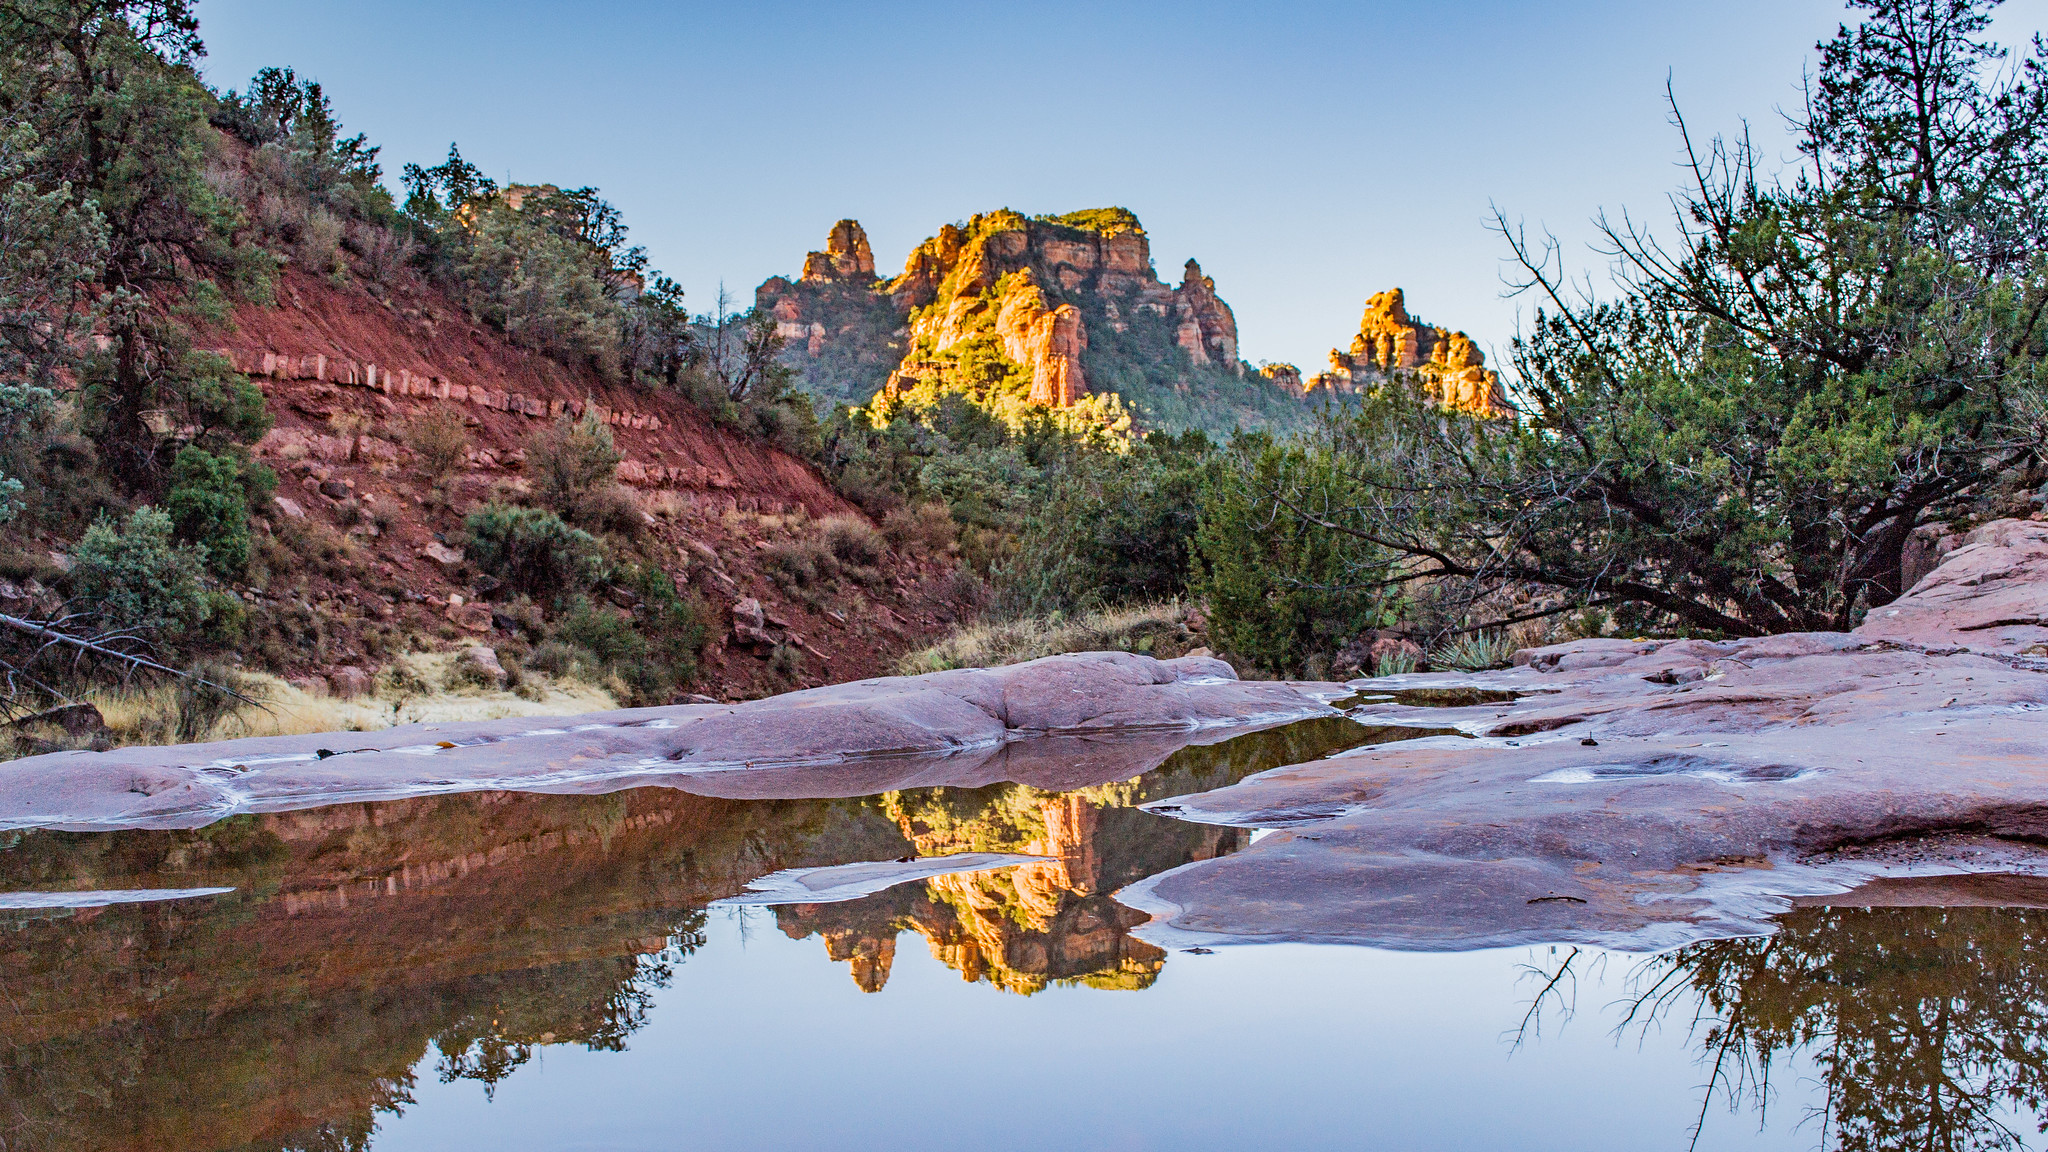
(369, 951)
(364, 945)
(1923, 1027)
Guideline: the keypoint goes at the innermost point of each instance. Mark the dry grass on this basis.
(1160, 630)
(149, 716)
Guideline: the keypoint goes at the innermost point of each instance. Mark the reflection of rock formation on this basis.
(1390, 344)
(472, 929)
(1022, 928)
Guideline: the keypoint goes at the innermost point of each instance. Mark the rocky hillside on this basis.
(367, 556)
(1050, 311)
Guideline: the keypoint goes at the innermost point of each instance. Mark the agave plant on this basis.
(1476, 652)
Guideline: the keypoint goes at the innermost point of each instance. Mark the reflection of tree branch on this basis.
(1532, 1020)
(1924, 1027)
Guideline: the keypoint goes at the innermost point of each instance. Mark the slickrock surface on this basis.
(1646, 793)
(1043, 718)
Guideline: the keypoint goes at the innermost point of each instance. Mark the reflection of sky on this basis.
(763, 1043)
(1308, 152)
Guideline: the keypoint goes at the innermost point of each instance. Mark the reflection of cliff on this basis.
(469, 930)
(360, 938)
(1025, 927)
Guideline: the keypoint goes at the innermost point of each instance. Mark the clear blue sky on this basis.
(1307, 153)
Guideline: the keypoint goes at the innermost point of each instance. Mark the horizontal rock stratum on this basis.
(876, 734)
(1647, 793)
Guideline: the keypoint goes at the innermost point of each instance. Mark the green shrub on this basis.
(926, 530)
(570, 462)
(798, 564)
(533, 551)
(650, 652)
(209, 502)
(1282, 590)
(439, 440)
(136, 576)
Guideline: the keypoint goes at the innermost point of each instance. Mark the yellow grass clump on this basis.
(415, 689)
(1162, 630)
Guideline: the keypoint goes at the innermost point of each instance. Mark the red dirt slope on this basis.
(345, 372)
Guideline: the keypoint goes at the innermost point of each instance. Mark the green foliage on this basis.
(120, 124)
(864, 346)
(51, 248)
(572, 464)
(1115, 529)
(137, 577)
(315, 191)
(1164, 388)
(1106, 221)
(1474, 652)
(1281, 588)
(551, 269)
(651, 650)
(734, 372)
(209, 501)
(533, 551)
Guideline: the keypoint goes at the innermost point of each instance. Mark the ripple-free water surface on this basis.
(501, 971)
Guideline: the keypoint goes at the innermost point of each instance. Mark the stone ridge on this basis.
(428, 385)
(901, 721)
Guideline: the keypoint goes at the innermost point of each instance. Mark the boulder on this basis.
(348, 682)
(482, 660)
(446, 558)
(314, 686)
(470, 617)
(750, 624)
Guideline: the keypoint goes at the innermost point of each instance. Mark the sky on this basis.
(1309, 154)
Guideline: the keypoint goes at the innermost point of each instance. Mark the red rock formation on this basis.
(1034, 283)
(1208, 329)
(1391, 343)
(846, 255)
(1285, 375)
(1048, 341)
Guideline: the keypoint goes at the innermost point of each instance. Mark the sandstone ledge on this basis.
(944, 727)
(1646, 793)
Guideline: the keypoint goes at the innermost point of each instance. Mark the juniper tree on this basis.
(1806, 367)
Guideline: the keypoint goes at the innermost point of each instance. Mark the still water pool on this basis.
(504, 971)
